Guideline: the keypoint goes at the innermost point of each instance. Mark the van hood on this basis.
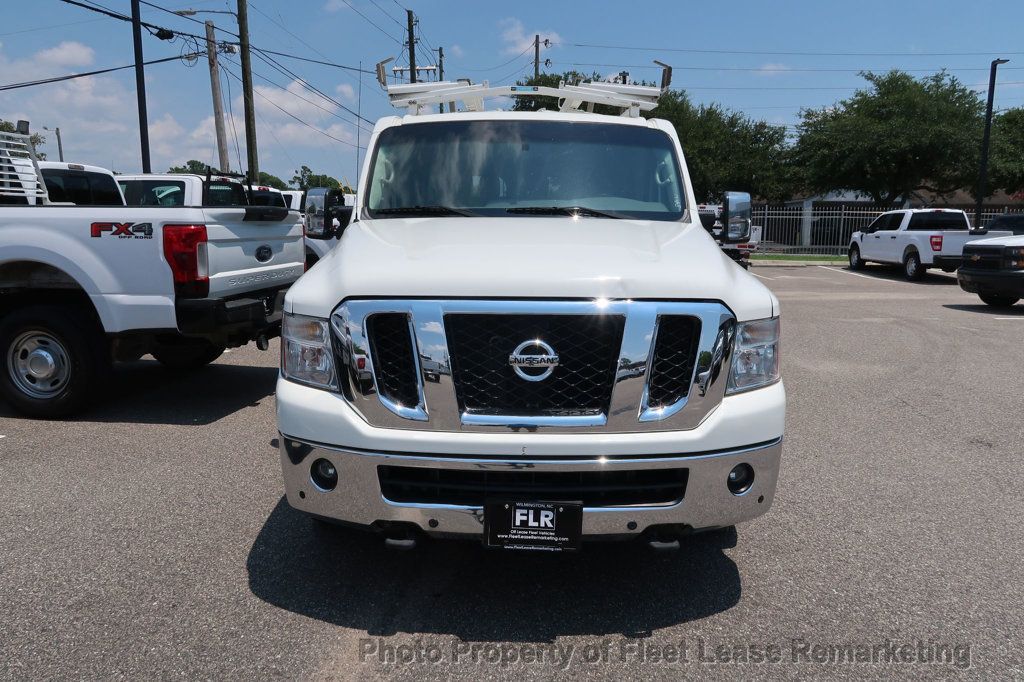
(535, 257)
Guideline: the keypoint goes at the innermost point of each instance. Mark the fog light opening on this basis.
(323, 475)
(740, 479)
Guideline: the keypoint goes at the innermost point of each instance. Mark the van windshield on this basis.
(498, 168)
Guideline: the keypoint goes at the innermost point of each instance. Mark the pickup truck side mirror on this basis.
(736, 217)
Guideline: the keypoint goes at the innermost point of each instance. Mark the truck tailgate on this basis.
(249, 250)
(953, 240)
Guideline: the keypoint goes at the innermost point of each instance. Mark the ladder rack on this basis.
(629, 99)
(19, 169)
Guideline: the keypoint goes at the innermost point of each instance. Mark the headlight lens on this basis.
(1015, 257)
(755, 357)
(306, 356)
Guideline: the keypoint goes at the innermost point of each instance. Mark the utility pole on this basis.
(218, 101)
(140, 86)
(536, 57)
(412, 45)
(60, 145)
(440, 74)
(252, 157)
(983, 171)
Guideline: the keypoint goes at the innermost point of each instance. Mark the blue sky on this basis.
(767, 59)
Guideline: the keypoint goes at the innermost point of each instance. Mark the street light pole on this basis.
(983, 169)
(60, 145)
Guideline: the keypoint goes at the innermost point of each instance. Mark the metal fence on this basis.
(826, 229)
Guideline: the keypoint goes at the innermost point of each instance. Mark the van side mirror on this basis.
(342, 214)
(736, 217)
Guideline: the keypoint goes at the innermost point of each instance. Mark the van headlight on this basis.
(306, 356)
(755, 357)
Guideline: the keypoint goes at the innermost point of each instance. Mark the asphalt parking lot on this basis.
(150, 538)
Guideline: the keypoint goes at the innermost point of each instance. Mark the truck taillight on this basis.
(936, 240)
(361, 363)
(185, 251)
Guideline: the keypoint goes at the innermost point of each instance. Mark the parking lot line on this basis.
(762, 276)
(845, 272)
(1018, 317)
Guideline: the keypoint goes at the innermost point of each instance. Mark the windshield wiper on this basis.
(560, 210)
(422, 211)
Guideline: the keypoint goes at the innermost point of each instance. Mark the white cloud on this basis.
(456, 51)
(68, 53)
(346, 91)
(772, 69)
(335, 5)
(517, 39)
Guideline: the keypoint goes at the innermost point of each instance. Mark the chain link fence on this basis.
(826, 228)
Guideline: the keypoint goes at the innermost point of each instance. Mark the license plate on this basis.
(544, 526)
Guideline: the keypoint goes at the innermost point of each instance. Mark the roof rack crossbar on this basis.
(419, 98)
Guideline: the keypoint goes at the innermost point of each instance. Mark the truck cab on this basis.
(526, 336)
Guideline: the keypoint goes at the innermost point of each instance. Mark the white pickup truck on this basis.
(917, 239)
(526, 336)
(81, 285)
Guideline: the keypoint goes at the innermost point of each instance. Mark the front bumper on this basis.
(235, 321)
(358, 500)
(997, 282)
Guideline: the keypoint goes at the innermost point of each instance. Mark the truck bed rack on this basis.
(629, 99)
(20, 177)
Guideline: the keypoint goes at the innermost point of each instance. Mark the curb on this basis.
(794, 264)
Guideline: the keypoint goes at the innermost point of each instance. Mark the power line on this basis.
(231, 117)
(782, 70)
(400, 25)
(276, 65)
(371, 21)
(495, 68)
(297, 96)
(46, 28)
(58, 79)
(293, 116)
(791, 54)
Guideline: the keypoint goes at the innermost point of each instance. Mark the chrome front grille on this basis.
(581, 384)
(613, 366)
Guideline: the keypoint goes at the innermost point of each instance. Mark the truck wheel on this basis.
(855, 261)
(187, 355)
(54, 359)
(998, 301)
(912, 268)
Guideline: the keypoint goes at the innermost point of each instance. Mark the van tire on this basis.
(65, 338)
(998, 301)
(187, 354)
(912, 268)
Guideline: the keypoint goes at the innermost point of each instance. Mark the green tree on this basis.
(899, 135)
(726, 150)
(269, 180)
(192, 167)
(305, 178)
(1006, 162)
(36, 139)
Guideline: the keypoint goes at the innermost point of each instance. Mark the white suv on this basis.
(526, 336)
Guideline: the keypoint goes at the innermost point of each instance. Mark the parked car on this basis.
(177, 189)
(81, 286)
(295, 199)
(64, 183)
(1014, 222)
(261, 195)
(994, 269)
(917, 239)
(558, 348)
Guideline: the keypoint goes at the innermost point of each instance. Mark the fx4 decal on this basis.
(123, 230)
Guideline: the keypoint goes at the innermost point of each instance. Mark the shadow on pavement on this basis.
(347, 577)
(895, 274)
(983, 309)
(144, 392)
